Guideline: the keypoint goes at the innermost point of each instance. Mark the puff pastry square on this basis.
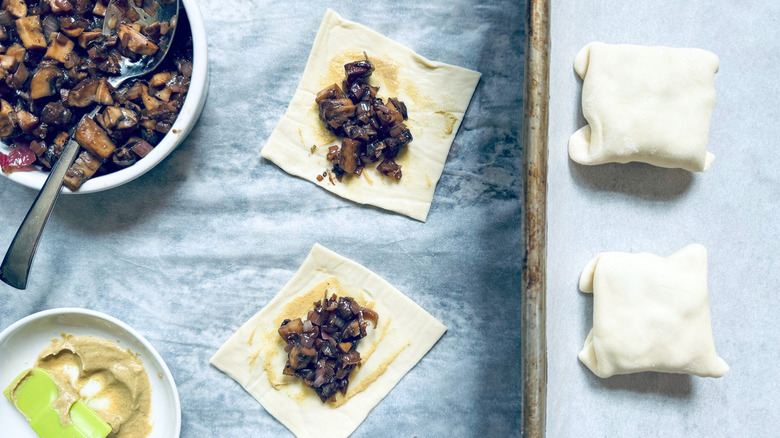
(436, 95)
(647, 104)
(650, 313)
(254, 356)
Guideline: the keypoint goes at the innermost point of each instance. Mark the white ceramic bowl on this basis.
(21, 342)
(190, 112)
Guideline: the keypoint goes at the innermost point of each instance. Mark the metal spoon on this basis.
(15, 268)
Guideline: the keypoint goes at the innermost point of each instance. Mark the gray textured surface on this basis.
(188, 252)
(732, 209)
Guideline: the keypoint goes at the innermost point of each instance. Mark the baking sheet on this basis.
(188, 252)
(733, 209)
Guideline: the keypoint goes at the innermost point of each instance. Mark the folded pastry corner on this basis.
(650, 313)
(645, 104)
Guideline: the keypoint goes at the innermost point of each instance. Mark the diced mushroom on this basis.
(348, 160)
(17, 51)
(3, 34)
(93, 138)
(29, 30)
(60, 48)
(26, 120)
(38, 147)
(99, 9)
(82, 169)
(55, 113)
(115, 117)
(17, 8)
(90, 90)
(164, 94)
(390, 168)
(73, 26)
(49, 25)
(160, 79)
(139, 146)
(7, 123)
(123, 157)
(20, 76)
(43, 82)
(359, 69)
(150, 102)
(86, 37)
(135, 41)
(60, 6)
(330, 92)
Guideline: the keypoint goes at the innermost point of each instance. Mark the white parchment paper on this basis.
(733, 209)
(191, 250)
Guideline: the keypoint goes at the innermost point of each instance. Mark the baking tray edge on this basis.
(535, 119)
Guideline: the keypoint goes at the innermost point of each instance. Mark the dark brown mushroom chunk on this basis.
(123, 157)
(330, 92)
(73, 26)
(60, 6)
(86, 37)
(135, 41)
(115, 117)
(7, 123)
(55, 113)
(26, 120)
(30, 32)
(90, 90)
(348, 160)
(20, 76)
(390, 168)
(43, 82)
(139, 146)
(81, 170)
(358, 69)
(93, 138)
(60, 48)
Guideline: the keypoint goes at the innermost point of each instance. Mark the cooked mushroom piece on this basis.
(139, 146)
(86, 37)
(60, 6)
(26, 120)
(29, 30)
(359, 69)
(83, 93)
(17, 80)
(93, 138)
(81, 170)
(55, 113)
(348, 160)
(390, 168)
(43, 82)
(17, 8)
(73, 26)
(17, 52)
(135, 41)
(115, 117)
(60, 48)
(7, 123)
(123, 157)
(331, 92)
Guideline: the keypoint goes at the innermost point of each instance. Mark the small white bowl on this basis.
(190, 112)
(21, 343)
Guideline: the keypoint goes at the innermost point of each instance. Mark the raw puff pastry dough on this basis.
(650, 314)
(648, 104)
(436, 95)
(254, 356)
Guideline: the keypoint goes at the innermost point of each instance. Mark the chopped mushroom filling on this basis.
(54, 65)
(322, 350)
(373, 130)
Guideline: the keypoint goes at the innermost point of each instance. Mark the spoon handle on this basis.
(16, 264)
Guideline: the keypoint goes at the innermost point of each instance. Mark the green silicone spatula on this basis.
(33, 393)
